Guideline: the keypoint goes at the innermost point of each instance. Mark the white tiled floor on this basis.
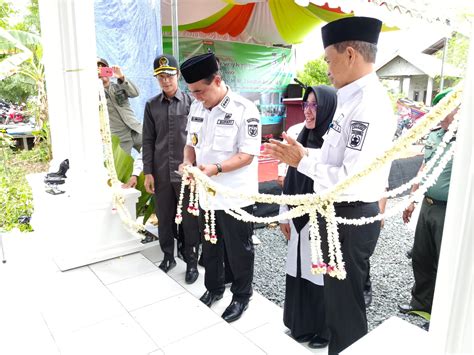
(122, 306)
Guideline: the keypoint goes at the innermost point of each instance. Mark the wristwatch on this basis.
(219, 168)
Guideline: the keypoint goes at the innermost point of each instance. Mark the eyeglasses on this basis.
(310, 105)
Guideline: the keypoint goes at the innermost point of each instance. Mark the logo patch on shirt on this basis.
(252, 130)
(225, 102)
(357, 135)
(197, 119)
(194, 139)
(250, 120)
(225, 122)
(227, 116)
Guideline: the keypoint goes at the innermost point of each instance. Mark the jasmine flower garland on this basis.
(324, 203)
(118, 199)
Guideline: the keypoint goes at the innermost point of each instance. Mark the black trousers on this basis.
(344, 299)
(167, 195)
(425, 257)
(234, 250)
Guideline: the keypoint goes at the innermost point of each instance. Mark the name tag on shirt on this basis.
(225, 122)
(335, 124)
(197, 119)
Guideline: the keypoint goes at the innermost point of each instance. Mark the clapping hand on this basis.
(290, 152)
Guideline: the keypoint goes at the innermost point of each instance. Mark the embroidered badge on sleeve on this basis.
(252, 127)
(357, 135)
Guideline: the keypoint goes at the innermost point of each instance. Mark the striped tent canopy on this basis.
(258, 21)
(290, 21)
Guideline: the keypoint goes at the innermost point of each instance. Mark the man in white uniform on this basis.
(361, 130)
(224, 136)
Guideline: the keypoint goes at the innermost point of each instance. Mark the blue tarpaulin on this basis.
(128, 34)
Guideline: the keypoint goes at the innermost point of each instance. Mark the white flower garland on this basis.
(324, 204)
(425, 179)
(118, 199)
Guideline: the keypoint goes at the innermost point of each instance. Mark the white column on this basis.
(68, 31)
(429, 91)
(406, 86)
(81, 223)
(451, 321)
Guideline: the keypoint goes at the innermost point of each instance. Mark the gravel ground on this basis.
(391, 272)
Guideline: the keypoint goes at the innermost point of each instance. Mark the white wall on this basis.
(398, 67)
(418, 83)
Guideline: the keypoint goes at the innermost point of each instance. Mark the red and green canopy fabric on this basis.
(257, 21)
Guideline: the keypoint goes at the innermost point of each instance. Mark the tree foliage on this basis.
(31, 22)
(17, 89)
(314, 73)
(21, 69)
(457, 51)
(6, 11)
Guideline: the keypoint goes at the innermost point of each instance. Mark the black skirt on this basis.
(304, 312)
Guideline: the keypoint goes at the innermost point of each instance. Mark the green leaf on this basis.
(27, 39)
(124, 168)
(422, 314)
(123, 161)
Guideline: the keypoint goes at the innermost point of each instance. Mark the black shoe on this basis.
(303, 338)
(426, 326)
(406, 308)
(234, 311)
(318, 343)
(167, 264)
(149, 237)
(191, 275)
(368, 297)
(63, 168)
(208, 298)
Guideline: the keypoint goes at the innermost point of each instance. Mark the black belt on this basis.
(351, 204)
(432, 201)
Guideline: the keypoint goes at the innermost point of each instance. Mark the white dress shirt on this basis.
(138, 165)
(231, 127)
(362, 129)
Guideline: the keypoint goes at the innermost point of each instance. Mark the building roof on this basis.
(435, 47)
(421, 63)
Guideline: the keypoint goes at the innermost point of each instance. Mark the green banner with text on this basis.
(259, 73)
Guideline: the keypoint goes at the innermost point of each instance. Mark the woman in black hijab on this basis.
(304, 301)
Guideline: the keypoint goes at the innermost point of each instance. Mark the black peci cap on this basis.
(199, 67)
(165, 63)
(365, 29)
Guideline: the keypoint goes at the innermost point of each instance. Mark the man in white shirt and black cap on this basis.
(224, 136)
(361, 130)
